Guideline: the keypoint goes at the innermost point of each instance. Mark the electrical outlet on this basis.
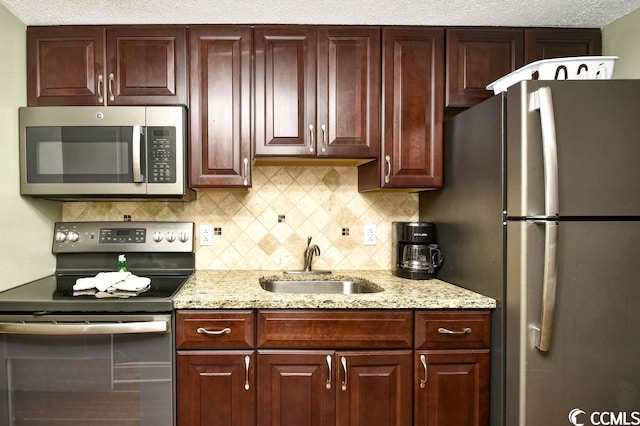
(369, 235)
(206, 235)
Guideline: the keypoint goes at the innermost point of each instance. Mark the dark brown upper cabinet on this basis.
(475, 58)
(220, 112)
(317, 91)
(413, 99)
(115, 65)
(561, 42)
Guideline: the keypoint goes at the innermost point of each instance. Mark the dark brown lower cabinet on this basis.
(326, 388)
(452, 388)
(215, 388)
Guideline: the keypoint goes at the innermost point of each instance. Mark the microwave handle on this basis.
(137, 169)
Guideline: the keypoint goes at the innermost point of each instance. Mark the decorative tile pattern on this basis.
(253, 234)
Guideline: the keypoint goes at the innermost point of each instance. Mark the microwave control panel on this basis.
(161, 142)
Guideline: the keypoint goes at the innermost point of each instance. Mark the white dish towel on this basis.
(112, 281)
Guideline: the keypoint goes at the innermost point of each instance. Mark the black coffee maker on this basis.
(415, 250)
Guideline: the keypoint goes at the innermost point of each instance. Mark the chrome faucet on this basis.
(308, 254)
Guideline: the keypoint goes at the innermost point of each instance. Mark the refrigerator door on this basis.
(590, 371)
(597, 137)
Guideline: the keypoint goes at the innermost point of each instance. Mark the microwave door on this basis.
(85, 160)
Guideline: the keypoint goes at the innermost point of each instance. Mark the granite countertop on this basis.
(224, 289)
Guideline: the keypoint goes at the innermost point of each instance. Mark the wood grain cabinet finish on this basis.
(215, 388)
(561, 42)
(317, 91)
(205, 329)
(413, 104)
(220, 113)
(451, 365)
(115, 65)
(476, 58)
(452, 388)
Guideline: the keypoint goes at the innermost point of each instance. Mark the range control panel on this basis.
(105, 237)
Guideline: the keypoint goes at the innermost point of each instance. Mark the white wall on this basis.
(622, 38)
(26, 225)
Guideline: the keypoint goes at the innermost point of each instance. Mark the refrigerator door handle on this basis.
(542, 100)
(548, 285)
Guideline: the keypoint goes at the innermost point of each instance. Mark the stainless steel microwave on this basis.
(103, 152)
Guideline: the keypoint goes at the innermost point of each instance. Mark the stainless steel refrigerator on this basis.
(541, 210)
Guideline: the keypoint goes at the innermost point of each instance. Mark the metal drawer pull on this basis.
(111, 97)
(324, 138)
(329, 375)
(247, 360)
(311, 142)
(466, 330)
(226, 330)
(387, 176)
(343, 360)
(423, 361)
(99, 85)
(246, 172)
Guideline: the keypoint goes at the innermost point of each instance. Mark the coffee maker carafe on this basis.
(415, 250)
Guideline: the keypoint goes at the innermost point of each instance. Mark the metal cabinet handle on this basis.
(311, 142)
(225, 330)
(324, 138)
(343, 360)
(111, 97)
(247, 361)
(466, 330)
(246, 171)
(99, 88)
(388, 175)
(423, 361)
(328, 385)
(137, 165)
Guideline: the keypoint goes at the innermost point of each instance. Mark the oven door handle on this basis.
(81, 329)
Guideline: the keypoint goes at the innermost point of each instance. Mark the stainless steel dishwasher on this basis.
(85, 358)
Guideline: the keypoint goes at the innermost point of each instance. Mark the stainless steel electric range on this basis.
(96, 357)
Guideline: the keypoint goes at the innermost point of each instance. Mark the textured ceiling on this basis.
(564, 13)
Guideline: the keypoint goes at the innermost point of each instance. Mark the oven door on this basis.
(86, 370)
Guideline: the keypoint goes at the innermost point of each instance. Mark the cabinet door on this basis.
(413, 98)
(65, 65)
(296, 388)
(558, 43)
(215, 388)
(146, 65)
(476, 58)
(452, 388)
(348, 92)
(374, 388)
(285, 95)
(220, 112)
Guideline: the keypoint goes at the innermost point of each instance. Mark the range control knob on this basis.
(157, 236)
(171, 236)
(61, 236)
(183, 237)
(73, 236)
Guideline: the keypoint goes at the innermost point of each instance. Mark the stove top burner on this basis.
(162, 251)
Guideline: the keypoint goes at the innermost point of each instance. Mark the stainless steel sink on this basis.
(319, 286)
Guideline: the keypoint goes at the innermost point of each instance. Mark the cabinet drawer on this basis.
(452, 330)
(335, 329)
(214, 329)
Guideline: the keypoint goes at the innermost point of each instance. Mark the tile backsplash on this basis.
(267, 226)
